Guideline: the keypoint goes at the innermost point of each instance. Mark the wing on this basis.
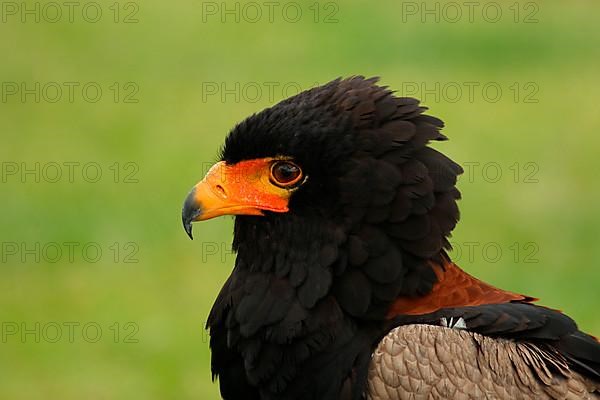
(427, 361)
(522, 322)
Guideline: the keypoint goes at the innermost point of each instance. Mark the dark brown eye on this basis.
(285, 173)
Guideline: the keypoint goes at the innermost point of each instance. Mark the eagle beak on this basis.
(191, 210)
(239, 189)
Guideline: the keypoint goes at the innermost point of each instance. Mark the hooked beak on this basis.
(189, 212)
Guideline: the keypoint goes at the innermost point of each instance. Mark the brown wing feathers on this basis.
(454, 288)
(432, 362)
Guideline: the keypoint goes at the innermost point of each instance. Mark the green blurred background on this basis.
(175, 77)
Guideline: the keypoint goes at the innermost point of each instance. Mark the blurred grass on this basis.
(175, 130)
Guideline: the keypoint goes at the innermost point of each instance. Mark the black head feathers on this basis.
(365, 153)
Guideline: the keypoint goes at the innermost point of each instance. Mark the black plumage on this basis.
(311, 291)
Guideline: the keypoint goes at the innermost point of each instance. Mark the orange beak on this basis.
(243, 188)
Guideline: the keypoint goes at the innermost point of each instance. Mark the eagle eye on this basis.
(285, 174)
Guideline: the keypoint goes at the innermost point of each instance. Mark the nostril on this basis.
(221, 190)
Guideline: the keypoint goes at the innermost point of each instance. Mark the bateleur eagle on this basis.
(342, 287)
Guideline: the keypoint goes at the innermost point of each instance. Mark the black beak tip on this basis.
(189, 213)
(187, 225)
